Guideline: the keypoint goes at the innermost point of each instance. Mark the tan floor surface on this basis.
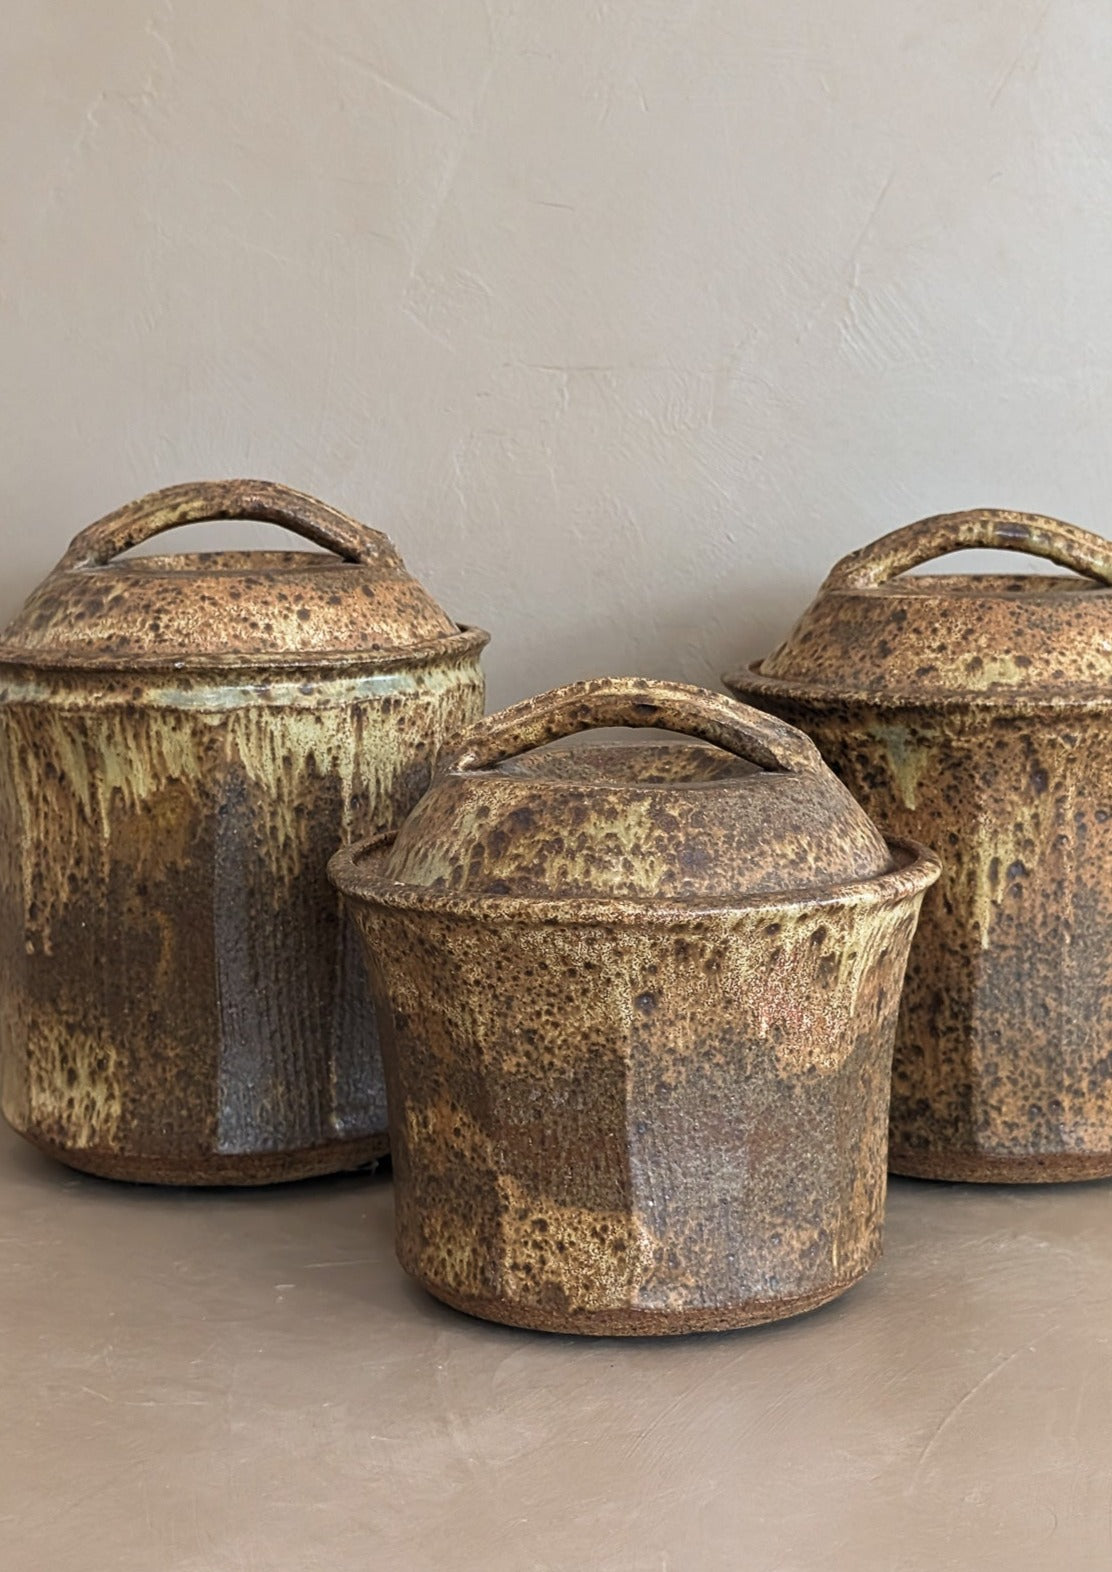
(245, 1382)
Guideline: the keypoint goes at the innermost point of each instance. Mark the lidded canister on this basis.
(637, 1008)
(974, 711)
(183, 740)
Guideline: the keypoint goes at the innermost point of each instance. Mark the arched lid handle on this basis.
(636, 701)
(199, 502)
(998, 528)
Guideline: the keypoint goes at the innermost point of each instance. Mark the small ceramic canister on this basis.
(637, 1008)
(183, 740)
(975, 712)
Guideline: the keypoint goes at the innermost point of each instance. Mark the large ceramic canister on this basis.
(974, 711)
(637, 1006)
(183, 740)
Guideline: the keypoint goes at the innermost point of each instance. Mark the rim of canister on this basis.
(466, 641)
(1078, 701)
(916, 871)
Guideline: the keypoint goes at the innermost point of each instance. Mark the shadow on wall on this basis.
(12, 595)
(686, 638)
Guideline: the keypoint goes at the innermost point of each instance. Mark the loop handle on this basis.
(999, 528)
(199, 502)
(636, 701)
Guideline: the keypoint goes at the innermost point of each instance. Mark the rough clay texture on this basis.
(603, 1128)
(637, 1115)
(183, 999)
(1003, 1064)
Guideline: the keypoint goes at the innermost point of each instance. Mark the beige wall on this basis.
(623, 318)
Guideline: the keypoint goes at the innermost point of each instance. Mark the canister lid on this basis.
(99, 609)
(748, 808)
(873, 631)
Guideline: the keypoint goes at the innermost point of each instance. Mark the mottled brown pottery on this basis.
(183, 741)
(975, 712)
(637, 1008)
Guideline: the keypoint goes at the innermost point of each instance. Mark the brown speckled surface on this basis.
(184, 1001)
(99, 609)
(634, 1112)
(975, 713)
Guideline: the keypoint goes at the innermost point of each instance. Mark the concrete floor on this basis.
(245, 1382)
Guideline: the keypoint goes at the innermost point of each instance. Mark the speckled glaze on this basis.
(975, 713)
(637, 1083)
(183, 741)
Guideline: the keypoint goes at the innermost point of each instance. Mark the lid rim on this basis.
(750, 679)
(467, 639)
(916, 871)
(891, 588)
(209, 562)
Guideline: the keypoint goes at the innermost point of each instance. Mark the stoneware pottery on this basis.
(183, 740)
(637, 1008)
(975, 712)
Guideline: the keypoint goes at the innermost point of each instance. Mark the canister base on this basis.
(222, 1168)
(638, 1323)
(982, 1168)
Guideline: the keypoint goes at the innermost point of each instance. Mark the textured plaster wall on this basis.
(625, 318)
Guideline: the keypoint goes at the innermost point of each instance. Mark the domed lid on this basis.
(233, 607)
(756, 811)
(871, 631)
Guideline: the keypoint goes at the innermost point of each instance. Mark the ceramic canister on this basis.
(974, 711)
(183, 740)
(637, 1008)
